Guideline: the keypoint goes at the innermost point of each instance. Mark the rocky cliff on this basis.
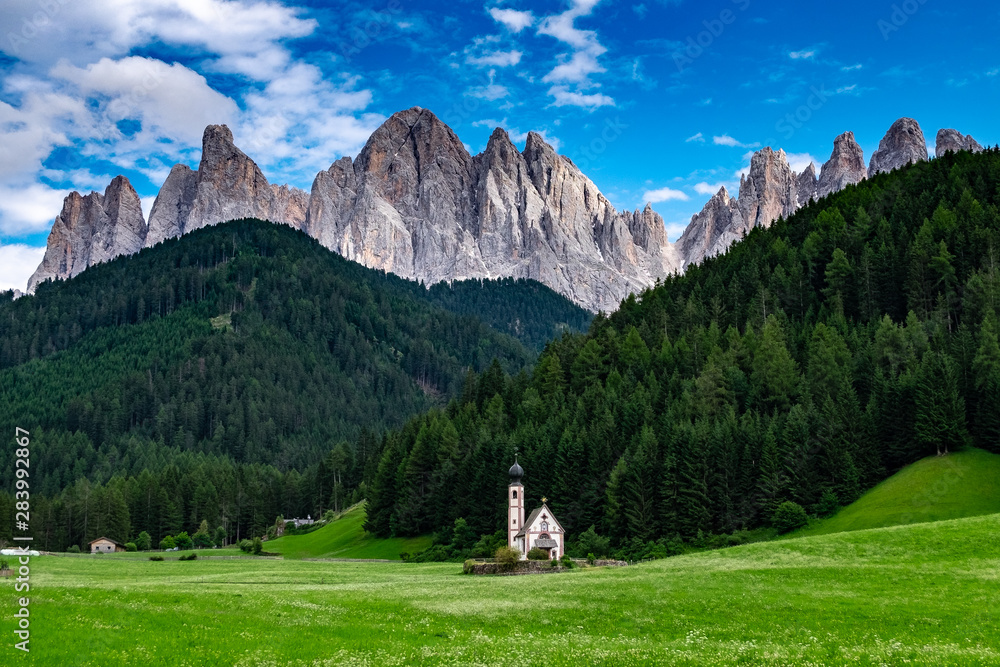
(846, 166)
(416, 203)
(903, 144)
(953, 140)
(92, 229)
(719, 225)
(227, 185)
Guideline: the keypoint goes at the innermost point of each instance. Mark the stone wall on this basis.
(531, 567)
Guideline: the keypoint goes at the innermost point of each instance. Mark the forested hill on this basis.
(246, 344)
(808, 363)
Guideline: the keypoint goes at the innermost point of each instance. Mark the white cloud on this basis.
(801, 55)
(514, 20)
(726, 140)
(17, 263)
(993, 72)
(577, 66)
(86, 30)
(563, 96)
(664, 194)
(846, 89)
(709, 189)
(169, 100)
(491, 91)
(28, 208)
(577, 69)
(850, 68)
(495, 59)
(696, 137)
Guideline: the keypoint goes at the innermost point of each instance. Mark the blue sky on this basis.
(655, 100)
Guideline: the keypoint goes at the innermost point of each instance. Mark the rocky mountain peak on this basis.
(713, 230)
(846, 166)
(768, 190)
(953, 140)
(92, 229)
(806, 185)
(903, 144)
(228, 185)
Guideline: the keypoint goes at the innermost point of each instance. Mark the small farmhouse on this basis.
(104, 545)
(540, 530)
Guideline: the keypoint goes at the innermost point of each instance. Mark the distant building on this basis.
(540, 530)
(308, 521)
(104, 545)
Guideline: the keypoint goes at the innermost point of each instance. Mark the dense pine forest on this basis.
(235, 374)
(807, 364)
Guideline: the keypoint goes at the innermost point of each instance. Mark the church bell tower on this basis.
(515, 507)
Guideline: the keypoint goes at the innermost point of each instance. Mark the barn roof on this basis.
(107, 539)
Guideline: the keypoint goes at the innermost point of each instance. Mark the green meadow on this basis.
(960, 484)
(923, 594)
(345, 538)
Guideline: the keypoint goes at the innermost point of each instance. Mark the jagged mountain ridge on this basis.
(415, 202)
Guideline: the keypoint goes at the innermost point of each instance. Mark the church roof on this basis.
(546, 543)
(557, 528)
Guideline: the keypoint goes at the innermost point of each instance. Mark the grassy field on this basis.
(345, 538)
(936, 488)
(924, 594)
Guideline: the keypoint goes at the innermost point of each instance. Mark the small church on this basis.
(540, 530)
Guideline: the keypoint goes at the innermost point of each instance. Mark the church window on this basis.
(514, 496)
(544, 526)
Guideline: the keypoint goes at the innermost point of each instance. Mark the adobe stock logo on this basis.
(796, 119)
(696, 45)
(901, 13)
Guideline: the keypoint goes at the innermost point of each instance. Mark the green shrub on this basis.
(507, 555)
(246, 546)
(156, 558)
(190, 556)
(73, 549)
(590, 559)
(167, 543)
(590, 542)
(488, 545)
(828, 503)
(435, 554)
(183, 540)
(257, 547)
(468, 566)
(130, 546)
(143, 542)
(4, 564)
(789, 516)
(538, 554)
(566, 561)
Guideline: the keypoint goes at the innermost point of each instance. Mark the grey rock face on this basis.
(713, 230)
(846, 166)
(903, 144)
(807, 185)
(768, 191)
(953, 140)
(228, 185)
(417, 204)
(92, 229)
